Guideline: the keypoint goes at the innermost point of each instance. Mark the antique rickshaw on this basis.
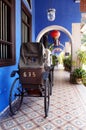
(34, 77)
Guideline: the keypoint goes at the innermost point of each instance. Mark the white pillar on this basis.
(68, 47)
(76, 42)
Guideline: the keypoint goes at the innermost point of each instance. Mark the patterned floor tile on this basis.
(28, 125)
(16, 128)
(69, 127)
(48, 126)
(59, 112)
(67, 108)
(22, 119)
(66, 112)
(77, 112)
(37, 107)
(59, 122)
(58, 105)
(5, 119)
(33, 115)
(78, 123)
(24, 106)
(18, 114)
(41, 111)
(26, 111)
(51, 115)
(38, 128)
(40, 120)
(9, 124)
(68, 117)
(52, 108)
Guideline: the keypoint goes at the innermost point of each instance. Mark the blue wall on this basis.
(33, 20)
(67, 12)
(5, 79)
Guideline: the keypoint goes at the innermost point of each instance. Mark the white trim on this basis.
(56, 27)
(53, 27)
(7, 108)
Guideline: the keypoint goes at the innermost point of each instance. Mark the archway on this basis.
(56, 27)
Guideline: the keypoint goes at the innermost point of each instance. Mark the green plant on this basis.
(79, 73)
(54, 60)
(83, 40)
(67, 63)
(61, 57)
(82, 56)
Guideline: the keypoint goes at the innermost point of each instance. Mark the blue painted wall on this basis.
(67, 12)
(5, 79)
(33, 20)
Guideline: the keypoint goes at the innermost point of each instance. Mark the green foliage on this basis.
(79, 73)
(82, 56)
(83, 40)
(61, 57)
(67, 63)
(51, 47)
(54, 60)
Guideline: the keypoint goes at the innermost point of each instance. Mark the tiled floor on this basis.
(67, 109)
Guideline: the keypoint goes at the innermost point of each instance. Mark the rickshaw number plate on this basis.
(29, 74)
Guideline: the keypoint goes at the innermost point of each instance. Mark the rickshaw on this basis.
(33, 77)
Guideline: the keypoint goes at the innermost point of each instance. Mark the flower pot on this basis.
(79, 80)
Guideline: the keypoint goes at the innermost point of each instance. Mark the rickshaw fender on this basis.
(14, 73)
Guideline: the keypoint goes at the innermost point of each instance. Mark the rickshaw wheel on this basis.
(46, 96)
(16, 96)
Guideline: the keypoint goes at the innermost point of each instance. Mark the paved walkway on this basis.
(67, 109)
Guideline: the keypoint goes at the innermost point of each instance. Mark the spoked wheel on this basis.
(46, 96)
(16, 96)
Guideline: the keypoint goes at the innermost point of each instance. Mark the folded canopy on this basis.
(31, 54)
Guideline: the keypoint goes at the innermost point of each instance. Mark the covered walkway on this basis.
(67, 109)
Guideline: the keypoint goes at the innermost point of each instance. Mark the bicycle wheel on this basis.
(46, 96)
(16, 96)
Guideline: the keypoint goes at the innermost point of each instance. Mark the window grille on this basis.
(7, 32)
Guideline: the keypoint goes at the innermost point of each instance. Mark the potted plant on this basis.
(67, 63)
(79, 74)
